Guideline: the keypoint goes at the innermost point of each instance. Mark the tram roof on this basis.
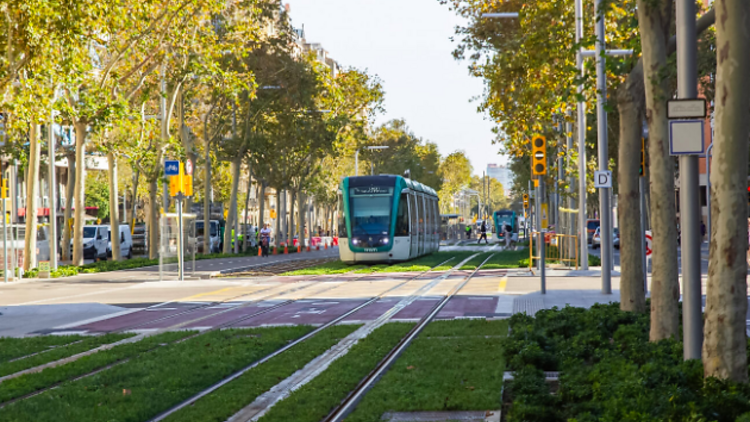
(419, 187)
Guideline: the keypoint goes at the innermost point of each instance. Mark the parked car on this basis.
(591, 226)
(597, 239)
(95, 240)
(214, 238)
(126, 242)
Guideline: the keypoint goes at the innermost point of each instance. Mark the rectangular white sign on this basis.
(686, 109)
(686, 137)
(603, 179)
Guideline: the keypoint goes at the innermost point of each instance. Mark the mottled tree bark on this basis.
(232, 214)
(654, 18)
(724, 347)
(632, 293)
(32, 193)
(80, 187)
(114, 217)
(69, 193)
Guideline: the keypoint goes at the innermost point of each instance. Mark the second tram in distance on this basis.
(386, 218)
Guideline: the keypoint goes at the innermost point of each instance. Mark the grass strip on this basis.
(14, 348)
(316, 399)
(452, 365)
(428, 262)
(87, 344)
(234, 396)
(476, 261)
(142, 388)
(507, 259)
(29, 383)
(335, 267)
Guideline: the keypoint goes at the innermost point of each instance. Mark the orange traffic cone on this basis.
(275, 250)
(260, 251)
(286, 250)
(326, 244)
(308, 248)
(299, 248)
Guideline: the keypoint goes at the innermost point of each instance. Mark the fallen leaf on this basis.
(470, 388)
(125, 392)
(409, 368)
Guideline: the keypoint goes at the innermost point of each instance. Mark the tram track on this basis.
(224, 325)
(300, 340)
(354, 397)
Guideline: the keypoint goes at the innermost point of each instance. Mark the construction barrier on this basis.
(558, 249)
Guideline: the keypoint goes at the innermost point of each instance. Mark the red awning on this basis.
(41, 212)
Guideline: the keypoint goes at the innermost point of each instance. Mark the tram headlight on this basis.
(384, 240)
(355, 241)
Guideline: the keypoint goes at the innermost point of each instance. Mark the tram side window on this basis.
(402, 217)
(422, 214)
(342, 218)
(413, 214)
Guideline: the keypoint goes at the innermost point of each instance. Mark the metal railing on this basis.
(559, 249)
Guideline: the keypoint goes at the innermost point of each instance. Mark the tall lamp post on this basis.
(356, 158)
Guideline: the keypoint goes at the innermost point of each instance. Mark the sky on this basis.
(407, 44)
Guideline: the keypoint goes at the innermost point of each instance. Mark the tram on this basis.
(386, 218)
(504, 218)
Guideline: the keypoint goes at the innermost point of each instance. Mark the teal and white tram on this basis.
(386, 218)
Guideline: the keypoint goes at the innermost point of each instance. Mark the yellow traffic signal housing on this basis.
(4, 189)
(538, 155)
(525, 200)
(272, 214)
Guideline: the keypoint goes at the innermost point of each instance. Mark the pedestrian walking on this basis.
(483, 230)
(265, 239)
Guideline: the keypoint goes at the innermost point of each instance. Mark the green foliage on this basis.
(97, 193)
(232, 397)
(335, 267)
(14, 348)
(456, 171)
(507, 259)
(610, 371)
(452, 365)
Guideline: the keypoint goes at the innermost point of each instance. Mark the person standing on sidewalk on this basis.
(483, 229)
(265, 239)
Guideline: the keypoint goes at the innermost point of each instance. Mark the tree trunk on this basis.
(153, 218)
(69, 189)
(232, 214)
(632, 293)
(724, 347)
(654, 20)
(277, 224)
(261, 204)
(80, 189)
(134, 198)
(247, 233)
(114, 217)
(32, 194)
(302, 209)
(207, 202)
(292, 227)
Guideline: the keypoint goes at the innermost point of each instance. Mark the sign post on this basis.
(180, 187)
(3, 197)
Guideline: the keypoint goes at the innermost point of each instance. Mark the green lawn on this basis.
(142, 388)
(61, 352)
(315, 400)
(234, 396)
(335, 267)
(452, 365)
(14, 348)
(506, 259)
(476, 261)
(29, 383)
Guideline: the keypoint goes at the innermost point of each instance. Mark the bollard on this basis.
(286, 250)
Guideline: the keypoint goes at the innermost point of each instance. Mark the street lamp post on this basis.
(356, 158)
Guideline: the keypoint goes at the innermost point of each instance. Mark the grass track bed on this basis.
(14, 348)
(315, 400)
(29, 383)
(452, 365)
(62, 352)
(476, 261)
(335, 267)
(428, 262)
(142, 388)
(507, 259)
(231, 398)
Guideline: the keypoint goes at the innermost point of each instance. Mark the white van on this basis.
(95, 240)
(19, 231)
(126, 242)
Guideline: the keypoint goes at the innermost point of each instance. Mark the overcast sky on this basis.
(407, 43)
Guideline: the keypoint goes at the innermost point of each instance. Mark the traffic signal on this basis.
(642, 168)
(526, 200)
(538, 155)
(3, 183)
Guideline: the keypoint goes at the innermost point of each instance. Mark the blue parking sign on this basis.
(171, 168)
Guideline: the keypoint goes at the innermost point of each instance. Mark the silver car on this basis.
(596, 241)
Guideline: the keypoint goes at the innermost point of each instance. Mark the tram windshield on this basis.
(370, 210)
